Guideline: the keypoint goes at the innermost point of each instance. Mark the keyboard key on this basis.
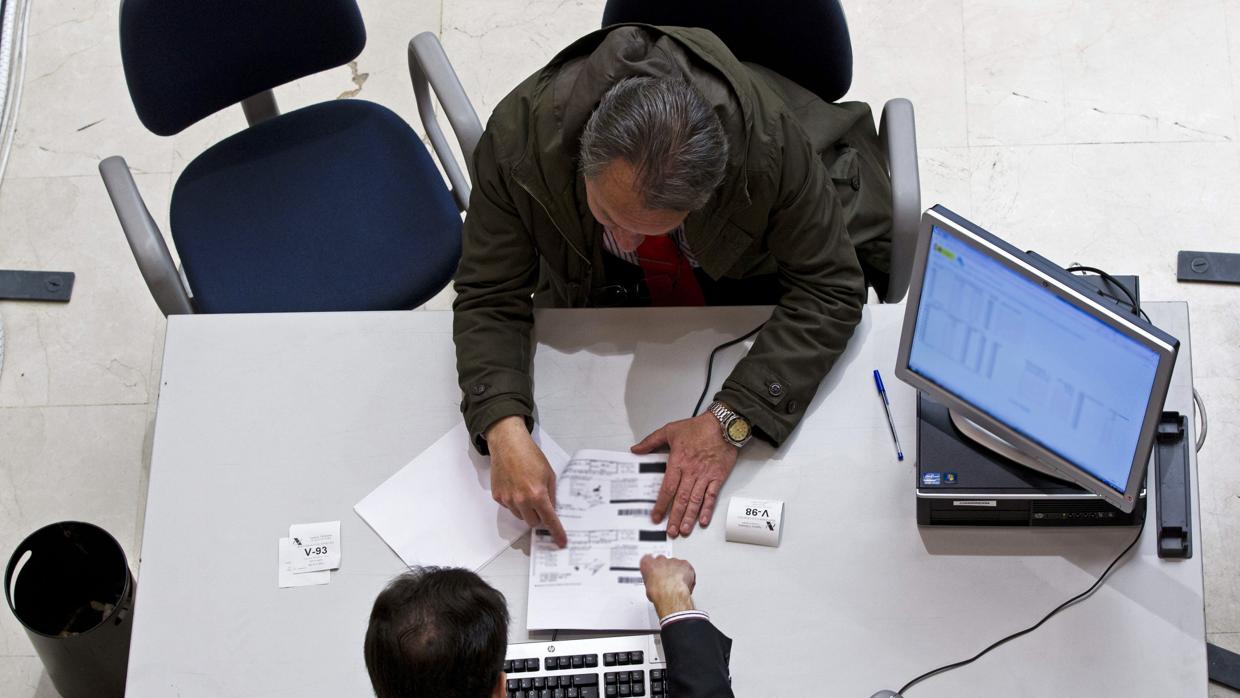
(531, 664)
(557, 693)
(566, 662)
(589, 692)
(545, 693)
(527, 683)
(578, 661)
(591, 660)
(610, 690)
(609, 659)
(625, 690)
(513, 684)
(637, 676)
(585, 679)
(507, 665)
(571, 692)
(636, 657)
(622, 658)
(638, 689)
(516, 694)
(540, 682)
(656, 674)
(656, 688)
(553, 681)
(609, 677)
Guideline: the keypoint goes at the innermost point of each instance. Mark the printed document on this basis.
(604, 500)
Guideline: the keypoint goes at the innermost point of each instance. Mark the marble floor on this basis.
(1103, 133)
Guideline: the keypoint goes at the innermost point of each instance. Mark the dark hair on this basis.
(437, 633)
(670, 135)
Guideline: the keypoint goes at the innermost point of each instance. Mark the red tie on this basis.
(669, 276)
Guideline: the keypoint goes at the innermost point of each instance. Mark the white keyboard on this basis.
(630, 665)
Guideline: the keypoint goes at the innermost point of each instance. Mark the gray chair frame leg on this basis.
(149, 249)
(898, 132)
(429, 69)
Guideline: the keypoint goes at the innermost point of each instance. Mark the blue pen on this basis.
(882, 392)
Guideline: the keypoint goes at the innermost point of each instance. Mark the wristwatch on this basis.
(736, 429)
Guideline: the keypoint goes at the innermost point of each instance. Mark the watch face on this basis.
(738, 430)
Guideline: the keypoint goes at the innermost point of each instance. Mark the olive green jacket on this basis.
(802, 175)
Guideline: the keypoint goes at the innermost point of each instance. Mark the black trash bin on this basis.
(70, 586)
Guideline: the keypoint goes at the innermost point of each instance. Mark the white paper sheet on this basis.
(438, 510)
(604, 500)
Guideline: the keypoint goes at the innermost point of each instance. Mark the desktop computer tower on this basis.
(961, 483)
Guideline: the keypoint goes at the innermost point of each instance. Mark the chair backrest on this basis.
(187, 59)
(806, 41)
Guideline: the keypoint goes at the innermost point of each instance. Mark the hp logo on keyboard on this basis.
(550, 648)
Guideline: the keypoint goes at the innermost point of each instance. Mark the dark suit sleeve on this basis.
(697, 659)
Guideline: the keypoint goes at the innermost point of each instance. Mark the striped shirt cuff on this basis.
(682, 615)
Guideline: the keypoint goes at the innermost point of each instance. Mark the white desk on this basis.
(269, 420)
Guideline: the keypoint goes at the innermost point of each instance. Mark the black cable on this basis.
(710, 363)
(1132, 300)
(1083, 595)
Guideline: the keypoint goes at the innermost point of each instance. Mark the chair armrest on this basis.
(429, 64)
(149, 249)
(898, 132)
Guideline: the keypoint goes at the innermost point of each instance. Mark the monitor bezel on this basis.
(1067, 288)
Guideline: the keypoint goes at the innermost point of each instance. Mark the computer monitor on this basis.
(1031, 361)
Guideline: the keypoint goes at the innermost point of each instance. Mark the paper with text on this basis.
(604, 500)
(286, 578)
(315, 547)
(438, 510)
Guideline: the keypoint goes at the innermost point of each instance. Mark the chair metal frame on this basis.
(429, 69)
(167, 283)
(897, 129)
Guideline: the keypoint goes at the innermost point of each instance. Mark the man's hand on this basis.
(700, 462)
(521, 478)
(669, 584)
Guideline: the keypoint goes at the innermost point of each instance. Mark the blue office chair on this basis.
(807, 42)
(335, 206)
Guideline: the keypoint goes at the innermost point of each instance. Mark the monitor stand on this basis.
(988, 439)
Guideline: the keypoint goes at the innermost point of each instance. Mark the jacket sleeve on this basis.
(493, 310)
(697, 659)
(823, 293)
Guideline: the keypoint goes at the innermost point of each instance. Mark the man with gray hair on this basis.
(648, 166)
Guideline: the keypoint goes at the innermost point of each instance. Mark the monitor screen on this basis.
(1021, 354)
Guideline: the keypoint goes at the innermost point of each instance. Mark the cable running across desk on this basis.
(1079, 597)
(710, 364)
(1132, 302)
